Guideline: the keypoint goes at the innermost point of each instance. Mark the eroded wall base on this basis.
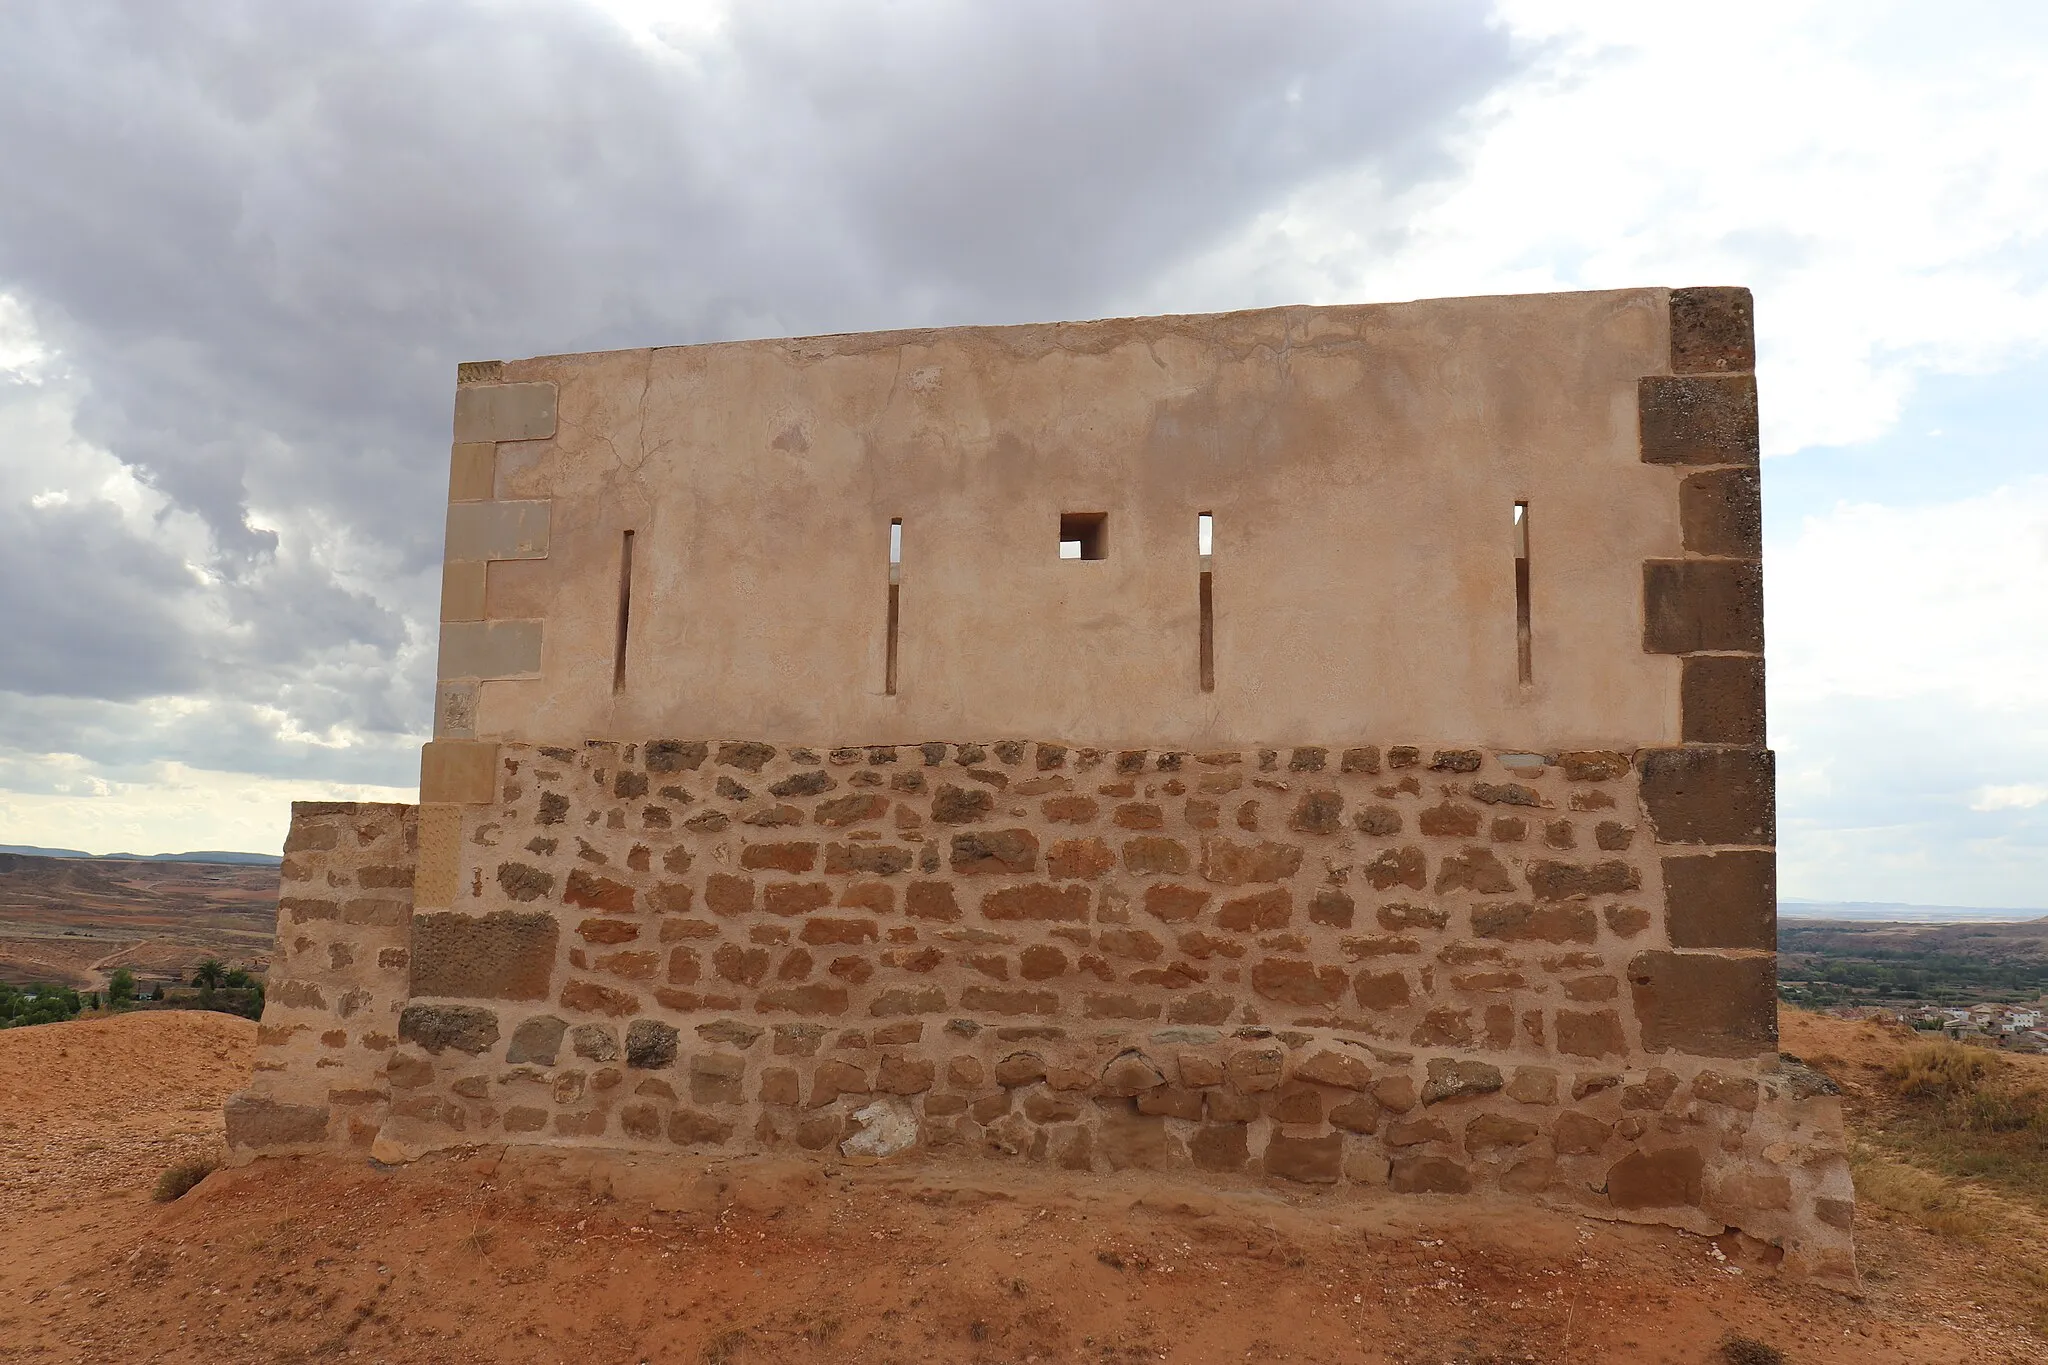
(1424, 970)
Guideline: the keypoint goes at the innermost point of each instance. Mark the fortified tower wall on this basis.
(1323, 744)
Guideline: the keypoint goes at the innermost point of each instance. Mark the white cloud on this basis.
(1892, 602)
(2019, 796)
(169, 808)
(1861, 167)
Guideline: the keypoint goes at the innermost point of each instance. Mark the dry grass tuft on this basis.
(1749, 1351)
(725, 1346)
(1918, 1196)
(179, 1179)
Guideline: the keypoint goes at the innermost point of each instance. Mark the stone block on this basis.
(1671, 1178)
(1036, 901)
(1292, 981)
(1591, 1033)
(462, 592)
(1219, 1147)
(1710, 795)
(1727, 899)
(481, 531)
(1713, 330)
(490, 649)
(1001, 852)
(1721, 699)
(472, 471)
(504, 412)
(458, 772)
(1327, 1067)
(1309, 1161)
(1705, 1004)
(1451, 1079)
(507, 955)
(1698, 419)
(1720, 512)
(1229, 863)
(436, 1028)
(650, 1044)
(536, 1040)
(1428, 1175)
(258, 1122)
(1689, 606)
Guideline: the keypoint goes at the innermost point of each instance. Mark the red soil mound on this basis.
(514, 1260)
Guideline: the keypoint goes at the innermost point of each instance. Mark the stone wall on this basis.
(1419, 957)
(339, 978)
(1422, 968)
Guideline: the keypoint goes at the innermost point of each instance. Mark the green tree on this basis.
(208, 977)
(120, 987)
(236, 979)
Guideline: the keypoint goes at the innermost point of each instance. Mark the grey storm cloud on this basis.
(262, 234)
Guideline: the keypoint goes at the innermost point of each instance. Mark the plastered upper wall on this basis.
(1361, 464)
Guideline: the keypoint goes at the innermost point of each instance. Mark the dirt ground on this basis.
(476, 1260)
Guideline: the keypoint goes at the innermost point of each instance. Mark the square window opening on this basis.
(1084, 535)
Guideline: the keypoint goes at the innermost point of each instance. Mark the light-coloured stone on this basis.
(889, 1128)
(491, 649)
(504, 412)
(499, 530)
(472, 471)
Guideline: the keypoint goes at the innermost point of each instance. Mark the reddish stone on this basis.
(1174, 904)
(931, 900)
(593, 892)
(851, 809)
(1041, 962)
(821, 930)
(725, 894)
(1078, 859)
(1311, 1161)
(1672, 1178)
(993, 1001)
(1229, 863)
(1476, 869)
(1381, 990)
(1119, 1007)
(1295, 982)
(1002, 851)
(1202, 1007)
(1317, 812)
(1567, 922)
(922, 1000)
(795, 898)
(592, 998)
(1592, 1034)
(1257, 913)
(1428, 1175)
(1448, 820)
(881, 860)
(1407, 867)
(780, 857)
(1036, 901)
(812, 999)
(1150, 855)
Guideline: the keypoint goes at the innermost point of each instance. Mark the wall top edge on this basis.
(1082, 333)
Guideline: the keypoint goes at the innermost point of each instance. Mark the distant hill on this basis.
(202, 856)
(1899, 912)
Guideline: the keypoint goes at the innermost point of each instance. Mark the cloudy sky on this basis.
(243, 244)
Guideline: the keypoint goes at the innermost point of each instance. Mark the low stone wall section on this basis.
(340, 978)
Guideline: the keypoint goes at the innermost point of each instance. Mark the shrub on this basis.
(179, 1179)
(121, 987)
(1940, 1071)
(38, 1004)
